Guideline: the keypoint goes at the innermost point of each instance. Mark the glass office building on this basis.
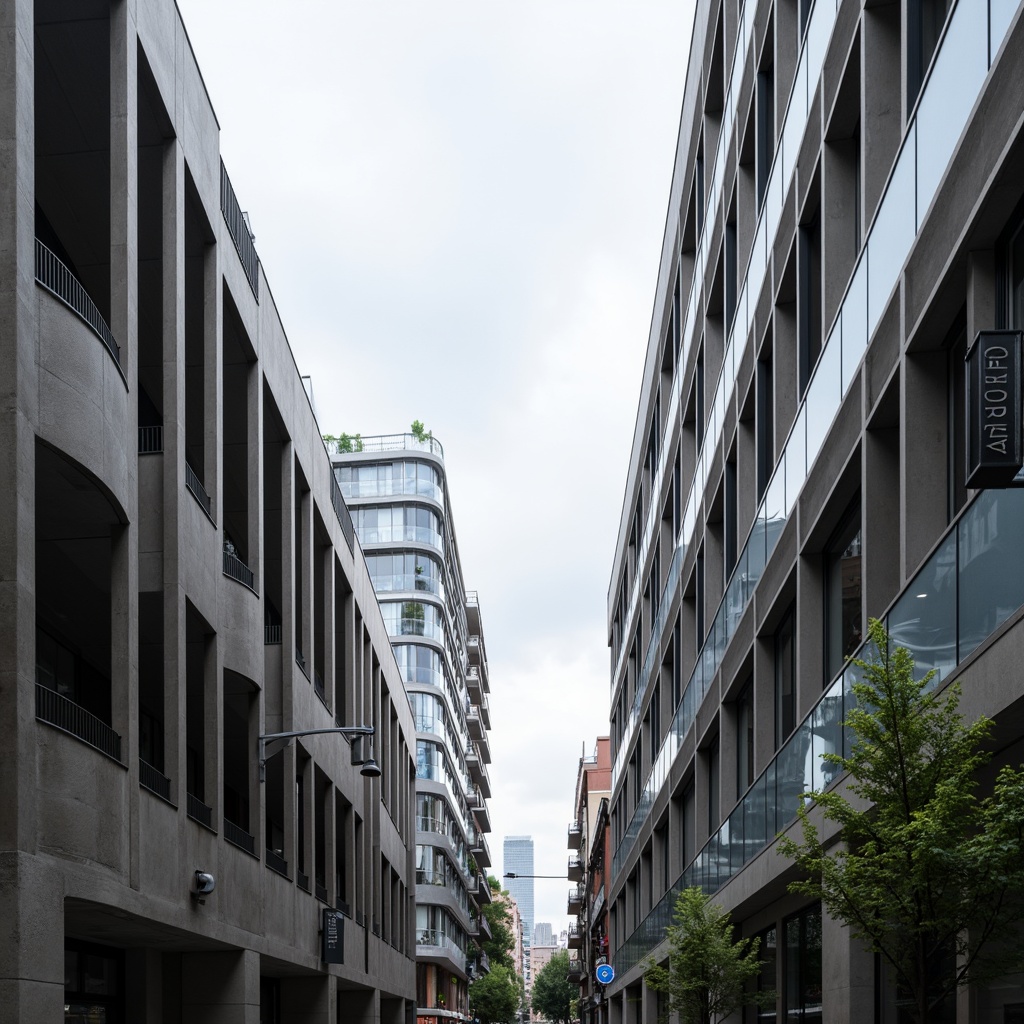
(845, 215)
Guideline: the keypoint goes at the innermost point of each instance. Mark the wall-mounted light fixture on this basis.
(203, 883)
(368, 766)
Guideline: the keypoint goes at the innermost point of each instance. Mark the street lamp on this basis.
(368, 766)
(512, 874)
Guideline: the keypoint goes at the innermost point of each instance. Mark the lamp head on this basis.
(370, 769)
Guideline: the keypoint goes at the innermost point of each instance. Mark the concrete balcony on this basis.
(575, 835)
(575, 900)
(575, 873)
(575, 940)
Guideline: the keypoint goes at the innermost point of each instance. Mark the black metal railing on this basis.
(321, 893)
(237, 836)
(195, 485)
(276, 862)
(342, 512)
(154, 780)
(272, 634)
(69, 717)
(60, 282)
(198, 811)
(238, 570)
(151, 440)
(239, 231)
(303, 879)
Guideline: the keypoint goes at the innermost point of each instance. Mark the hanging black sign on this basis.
(994, 409)
(332, 946)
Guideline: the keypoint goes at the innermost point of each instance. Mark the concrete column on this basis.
(213, 379)
(174, 464)
(358, 1006)
(306, 1000)
(288, 554)
(31, 940)
(847, 974)
(213, 708)
(809, 634)
(880, 484)
(329, 562)
(144, 985)
(220, 988)
(330, 845)
(254, 465)
(18, 414)
(304, 629)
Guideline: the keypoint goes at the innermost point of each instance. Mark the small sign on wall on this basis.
(332, 935)
(994, 445)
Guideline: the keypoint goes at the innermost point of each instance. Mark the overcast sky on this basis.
(459, 207)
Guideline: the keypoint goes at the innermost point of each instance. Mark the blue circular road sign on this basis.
(605, 974)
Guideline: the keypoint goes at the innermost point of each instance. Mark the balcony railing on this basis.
(198, 491)
(398, 442)
(970, 585)
(151, 440)
(73, 719)
(303, 880)
(237, 836)
(198, 811)
(60, 282)
(321, 893)
(238, 570)
(240, 233)
(153, 780)
(342, 512)
(276, 862)
(272, 634)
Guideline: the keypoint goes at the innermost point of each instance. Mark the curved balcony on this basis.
(407, 583)
(400, 535)
(55, 277)
(391, 488)
(398, 442)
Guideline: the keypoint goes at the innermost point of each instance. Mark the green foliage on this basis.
(552, 994)
(500, 947)
(929, 876)
(344, 444)
(494, 997)
(707, 973)
(419, 431)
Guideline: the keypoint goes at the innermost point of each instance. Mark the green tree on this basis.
(494, 997)
(552, 994)
(419, 431)
(500, 947)
(928, 876)
(707, 973)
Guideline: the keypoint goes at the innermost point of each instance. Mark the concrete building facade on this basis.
(178, 580)
(398, 491)
(844, 218)
(587, 937)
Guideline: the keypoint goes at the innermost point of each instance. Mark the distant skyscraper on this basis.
(518, 858)
(542, 934)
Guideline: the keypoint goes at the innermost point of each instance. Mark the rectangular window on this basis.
(765, 128)
(802, 967)
(925, 21)
(785, 679)
(730, 276)
(843, 591)
(809, 298)
(766, 978)
(730, 518)
(744, 740)
(764, 425)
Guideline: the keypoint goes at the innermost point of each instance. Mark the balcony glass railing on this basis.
(970, 585)
(399, 535)
(391, 487)
(406, 582)
(961, 64)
